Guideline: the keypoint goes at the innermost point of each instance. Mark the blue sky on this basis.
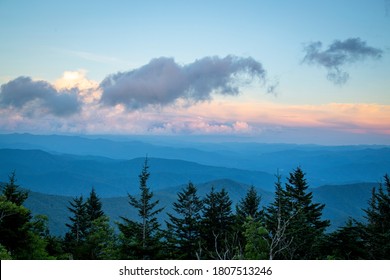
(84, 42)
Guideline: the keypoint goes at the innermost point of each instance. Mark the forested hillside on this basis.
(342, 202)
(82, 197)
(198, 223)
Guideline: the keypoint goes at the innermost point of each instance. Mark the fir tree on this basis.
(14, 225)
(12, 191)
(94, 206)
(306, 227)
(4, 254)
(101, 240)
(294, 221)
(217, 225)
(19, 234)
(141, 239)
(377, 230)
(346, 243)
(249, 206)
(184, 226)
(256, 245)
(277, 219)
(78, 229)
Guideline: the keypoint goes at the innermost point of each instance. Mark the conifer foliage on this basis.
(217, 225)
(295, 222)
(249, 206)
(198, 227)
(248, 214)
(184, 226)
(88, 225)
(142, 239)
(79, 221)
(377, 230)
(20, 232)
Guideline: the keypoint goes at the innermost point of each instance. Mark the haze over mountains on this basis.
(323, 164)
(56, 168)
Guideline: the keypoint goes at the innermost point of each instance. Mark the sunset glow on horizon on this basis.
(278, 72)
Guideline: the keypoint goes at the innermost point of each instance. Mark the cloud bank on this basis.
(338, 54)
(163, 81)
(38, 97)
(75, 104)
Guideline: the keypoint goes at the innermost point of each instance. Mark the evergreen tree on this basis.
(4, 254)
(256, 245)
(217, 225)
(346, 243)
(142, 239)
(38, 236)
(94, 206)
(78, 229)
(249, 206)
(19, 234)
(184, 227)
(7, 208)
(306, 228)
(12, 191)
(14, 228)
(101, 240)
(277, 219)
(377, 230)
(14, 225)
(294, 221)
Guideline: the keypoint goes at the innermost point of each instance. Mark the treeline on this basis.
(291, 227)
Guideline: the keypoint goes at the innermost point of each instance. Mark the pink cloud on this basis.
(218, 116)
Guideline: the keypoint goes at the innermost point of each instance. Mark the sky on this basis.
(269, 70)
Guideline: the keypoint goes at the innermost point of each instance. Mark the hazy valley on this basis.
(56, 168)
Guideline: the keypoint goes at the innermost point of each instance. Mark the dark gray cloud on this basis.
(163, 81)
(38, 97)
(339, 54)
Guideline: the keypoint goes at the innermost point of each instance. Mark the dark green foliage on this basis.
(291, 227)
(55, 247)
(294, 221)
(217, 226)
(14, 225)
(94, 206)
(79, 220)
(249, 206)
(184, 226)
(377, 230)
(12, 191)
(306, 227)
(78, 229)
(90, 235)
(101, 240)
(277, 219)
(4, 254)
(346, 243)
(141, 239)
(256, 243)
(21, 236)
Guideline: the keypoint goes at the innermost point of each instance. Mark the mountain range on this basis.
(322, 164)
(342, 202)
(56, 168)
